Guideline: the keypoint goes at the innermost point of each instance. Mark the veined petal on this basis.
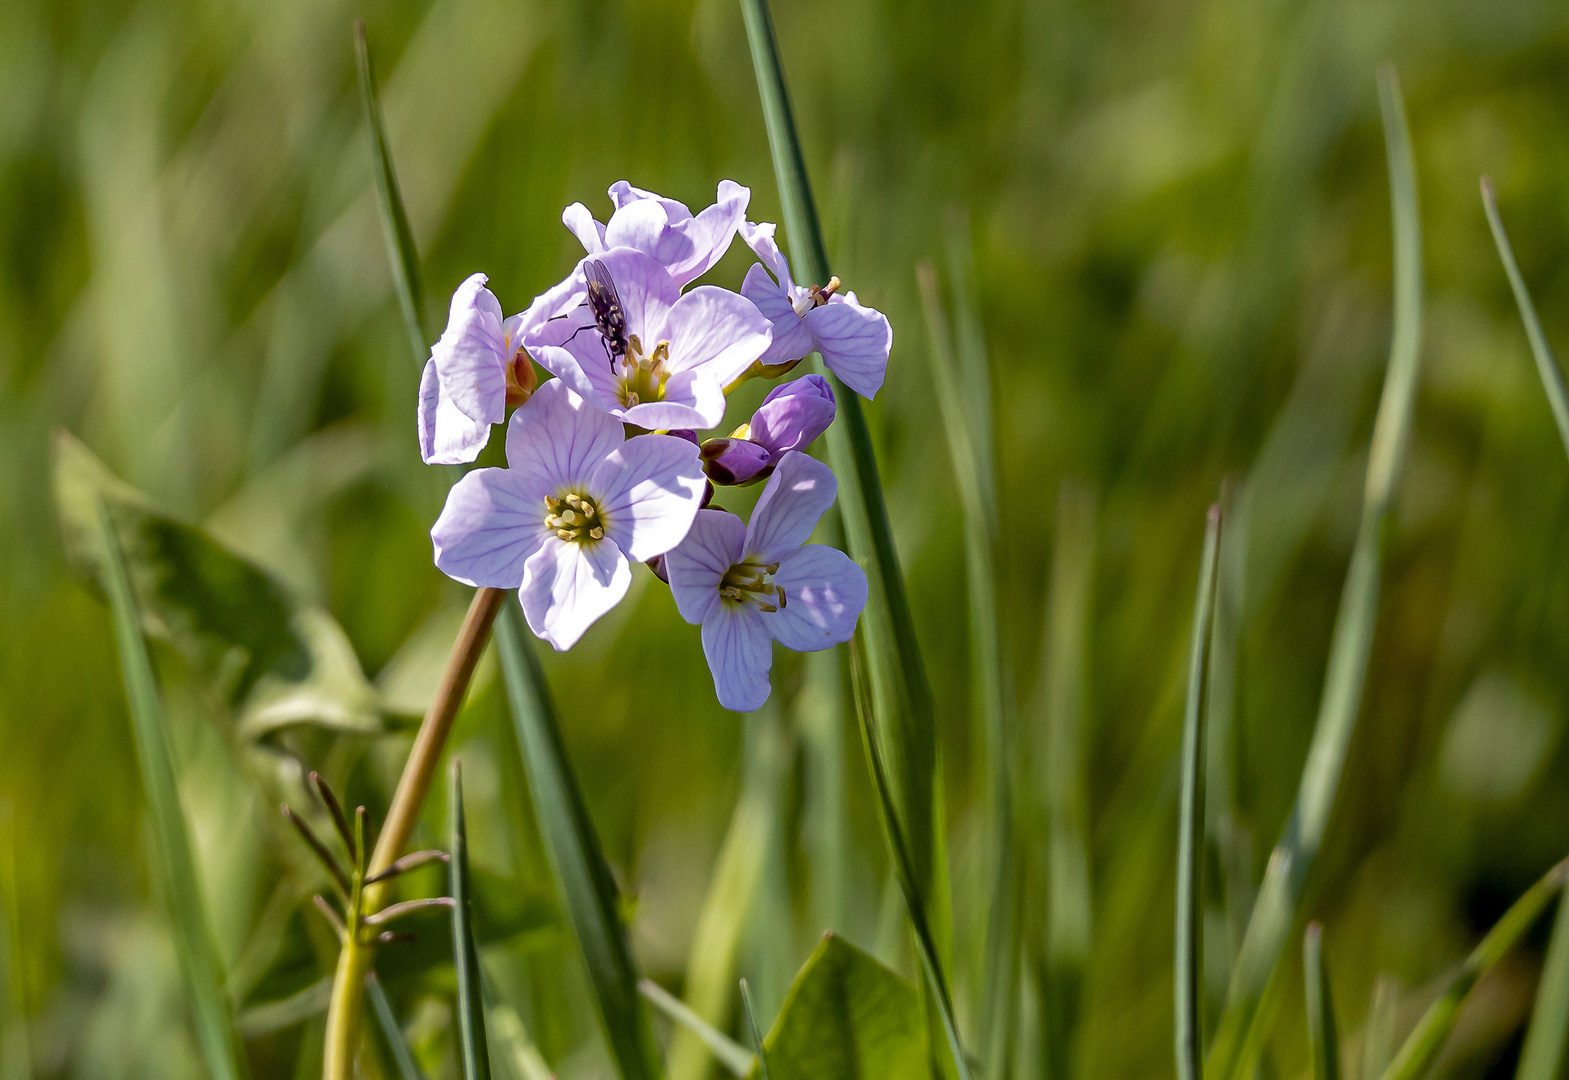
(798, 493)
(446, 436)
(854, 341)
(591, 382)
(717, 330)
(648, 491)
(643, 225)
(624, 194)
(824, 594)
(581, 224)
(740, 652)
(708, 235)
(557, 440)
(492, 523)
(672, 413)
(565, 296)
(471, 354)
(792, 415)
(760, 238)
(696, 566)
(568, 585)
(647, 291)
(791, 339)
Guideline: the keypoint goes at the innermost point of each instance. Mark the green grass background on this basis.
(1180, 219)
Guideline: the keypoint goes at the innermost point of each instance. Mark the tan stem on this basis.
(354, 961)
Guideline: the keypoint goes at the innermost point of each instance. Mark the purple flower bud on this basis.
(792, 415)
(733, 461)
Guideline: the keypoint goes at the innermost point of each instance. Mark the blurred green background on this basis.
(1180, 221)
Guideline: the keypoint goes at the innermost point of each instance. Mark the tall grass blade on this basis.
(1546, 363)
(392, 1031)
(401, 252)
(1421, 1047)
(1254, 990)
(731, 1054)
(1188, 967)
(904, 712)
(16, 1061)
(588, 893)
(1547, 1037)
(200, 968)
(474, 1047)
(1323, 1038)
(756, 1032)
(1378, 1042)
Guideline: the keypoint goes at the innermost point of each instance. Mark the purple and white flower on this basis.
(792, 416)
(475, 371)
(681, 350)
(576, 505)
(854, 340)
(685, 244)
(751, 585)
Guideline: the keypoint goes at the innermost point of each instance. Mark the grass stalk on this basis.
(1323, 1036)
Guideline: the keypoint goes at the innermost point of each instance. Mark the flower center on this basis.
(747, 583)
(642, 377)
(807, 299)
(574, 518)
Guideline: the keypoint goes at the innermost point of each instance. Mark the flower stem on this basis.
(354, 962)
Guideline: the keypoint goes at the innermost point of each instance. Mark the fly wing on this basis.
(602, 295)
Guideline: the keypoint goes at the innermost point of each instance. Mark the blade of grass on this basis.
(1255, 979)
(756, 1032)
(1188, 967)
(731, 1054)
(1323, 1039)
(1421, 1047)
(200, 968)
(1378, 1041)
(1547, 1037)
(904, 712)
(16, 1062)
(392, 1031)
(1546, 363)
(512, 1039)
(474, 1046)
(588, 893)
(401, 252)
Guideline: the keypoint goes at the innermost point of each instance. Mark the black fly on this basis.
(609, 316)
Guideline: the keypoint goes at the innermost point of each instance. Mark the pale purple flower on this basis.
(751, 585)
(685, 244)
(475, 370)
(854, 340)
(733, 461)
(681, 350)
(792, 416)
(577, 502)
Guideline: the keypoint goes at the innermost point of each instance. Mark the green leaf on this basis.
(1255, 978)
(465, 957)
(588, 893)
(274, 659)
(757, 1035)
(1189, 963)
(731, 1054)
(200, 967)
(392, 1031)
(1421, 1047)
(1378, 1043)
(1546, 363)
(401, 252)
(1547, 1037)
(1323, 1039)
(847, 1018)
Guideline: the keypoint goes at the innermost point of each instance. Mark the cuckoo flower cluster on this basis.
(608, 463)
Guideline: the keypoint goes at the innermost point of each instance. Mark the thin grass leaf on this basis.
(16, 1061)
(401, 252)
(1378, 1042)
(1188, 968)
(200, 967)
(757, 1034)
(588, 893)
(1427, 1038)
(511, 1037)
(904, 711)
(1547, 1037)
(731, 1054)
(474, 1046)
(1546, 363)
(392, 1031)
(273, 1016)
(1255, 980)
(1323, 1038)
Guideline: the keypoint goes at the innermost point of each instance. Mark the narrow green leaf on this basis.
(16, 1062)
(1547, 1037)
(1189, 957)
(1323, 1039)
(401, 252)
(731, 1054)
(1427, 1038)
(588, 893)
(1546, 363)
(757, 1035)
(1378, 1042)
(474, 1046)
(200, 967)
(270, 1016)
(511, 1038)
(392, 1031)
(1255, 979)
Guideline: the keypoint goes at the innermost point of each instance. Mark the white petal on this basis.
(558, 439)
(760, 238)
(648, 491)
(624, 194)
(824, 593)
(567, 586)
(446, 436)
(581, 224)
(707, 236)
(717, 330)
(590, 380)
(697, 564)
(854, 341)
(693, 399)
(791, 340)
(798, 493)
(641, 224)
(471, 355)
(493, 521)
(739, 652)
